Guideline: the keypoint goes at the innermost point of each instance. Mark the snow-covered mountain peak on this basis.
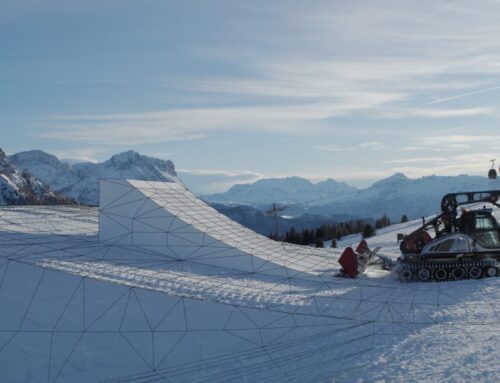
(124, 160)
(129, 159)
(38, 155)
(4, 164)
(47, 167)
(330, 184)
(395, 179)
(81, 180)
(20, 187)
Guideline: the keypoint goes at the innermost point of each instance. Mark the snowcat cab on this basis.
(465, 246)
(478, 231)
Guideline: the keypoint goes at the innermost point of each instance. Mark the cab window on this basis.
(488, 239)
(460, 244)
(444, 246)
(483, 223)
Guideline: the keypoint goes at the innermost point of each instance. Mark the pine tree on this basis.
(334, 243)
(382, 222)
(404, 218)
(319, 234)
(368, 231)
(319, 242)
(348, 228)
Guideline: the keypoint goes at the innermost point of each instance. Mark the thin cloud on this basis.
(181, 124)
(446, 143)
(455, 97)
(372, 145)
(375, 145)
(335, 148)
(434, 113)
(471, 163)
(456, 139)
(79, 155)
(417, 160)
(411, 148)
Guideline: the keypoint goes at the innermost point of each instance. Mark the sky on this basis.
(233, 91)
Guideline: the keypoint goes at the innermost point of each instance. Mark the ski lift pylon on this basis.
(275, 209)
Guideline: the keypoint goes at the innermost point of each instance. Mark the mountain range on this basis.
(290, 190)
(393, 196)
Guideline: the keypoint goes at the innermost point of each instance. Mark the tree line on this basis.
(334, 231)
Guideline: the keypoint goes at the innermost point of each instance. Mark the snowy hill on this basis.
(81, 181)
(394, 196)
(22, 188)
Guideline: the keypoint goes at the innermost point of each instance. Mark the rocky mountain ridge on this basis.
(22, 188)
(81, 181)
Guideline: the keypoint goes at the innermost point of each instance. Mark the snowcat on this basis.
(453, 245)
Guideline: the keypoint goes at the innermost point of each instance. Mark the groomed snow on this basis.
(76, 309)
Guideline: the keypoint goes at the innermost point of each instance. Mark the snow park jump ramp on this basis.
(79, 304)
(165, 217)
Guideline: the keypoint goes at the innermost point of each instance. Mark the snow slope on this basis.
(76, 309)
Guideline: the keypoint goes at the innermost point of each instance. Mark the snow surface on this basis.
(76, 309)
